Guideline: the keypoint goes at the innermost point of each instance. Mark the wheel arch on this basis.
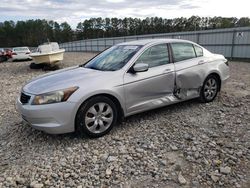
(110, 96)
(217, 75)
(116, 101)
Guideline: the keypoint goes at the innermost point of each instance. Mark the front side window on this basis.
(183, 51)
(155, 56)
(113, 58)
(198, 50)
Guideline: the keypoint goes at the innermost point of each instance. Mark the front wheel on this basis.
(96, 117)
(209, 89)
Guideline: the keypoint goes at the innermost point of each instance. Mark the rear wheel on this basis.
(96, 117)
(209, 89)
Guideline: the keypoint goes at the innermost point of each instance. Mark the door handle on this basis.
(201, 62)
(167, 70)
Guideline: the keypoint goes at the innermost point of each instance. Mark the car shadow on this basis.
(159, 111)
(21, 60)
(173, 108)
(69, 139)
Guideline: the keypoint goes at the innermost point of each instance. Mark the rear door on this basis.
(190, 69)
(146, 90)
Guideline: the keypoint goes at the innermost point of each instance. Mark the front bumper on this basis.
(57, 118)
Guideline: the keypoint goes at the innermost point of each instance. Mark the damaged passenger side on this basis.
(189, 73)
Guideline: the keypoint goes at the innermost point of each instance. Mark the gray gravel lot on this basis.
(188, 144)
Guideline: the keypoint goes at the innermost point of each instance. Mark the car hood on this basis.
(63, 79)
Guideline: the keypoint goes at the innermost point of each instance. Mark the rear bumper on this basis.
(224, 73)
(55, 118)
(225, 80)
(21, 57)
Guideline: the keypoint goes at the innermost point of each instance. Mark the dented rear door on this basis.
(190, 70)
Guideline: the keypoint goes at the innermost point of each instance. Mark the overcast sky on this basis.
(74, 11)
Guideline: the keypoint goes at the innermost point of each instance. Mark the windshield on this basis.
(20, 49)
(113, 58)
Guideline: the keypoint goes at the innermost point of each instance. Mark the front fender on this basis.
(81, 96)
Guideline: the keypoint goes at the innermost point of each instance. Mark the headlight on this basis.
(54, 97)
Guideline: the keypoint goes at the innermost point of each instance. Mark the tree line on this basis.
(35, 32)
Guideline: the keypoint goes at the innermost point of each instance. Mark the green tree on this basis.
(243, 22)
(35, 32)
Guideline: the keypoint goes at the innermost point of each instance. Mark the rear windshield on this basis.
(20, 49)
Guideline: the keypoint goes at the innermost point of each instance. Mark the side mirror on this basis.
(140, 67)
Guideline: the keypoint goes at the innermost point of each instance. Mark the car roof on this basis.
(153, 41)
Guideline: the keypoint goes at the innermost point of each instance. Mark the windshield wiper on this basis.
(94, 68)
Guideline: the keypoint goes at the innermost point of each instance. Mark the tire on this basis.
(37, 66)
(209, 89)
(3, 58)
(93, 121)
(48, 67)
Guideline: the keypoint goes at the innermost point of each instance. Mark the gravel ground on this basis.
(188, 144)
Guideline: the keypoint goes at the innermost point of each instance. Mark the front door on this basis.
(149, 89)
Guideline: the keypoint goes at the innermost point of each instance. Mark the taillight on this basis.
(14, 54)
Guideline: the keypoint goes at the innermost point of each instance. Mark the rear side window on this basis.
(198, 50)
(183, 51)
(155, 56)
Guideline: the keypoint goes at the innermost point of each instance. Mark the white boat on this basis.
(48, 53)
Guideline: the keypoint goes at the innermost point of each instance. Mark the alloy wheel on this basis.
(99, 117)
(210, 88)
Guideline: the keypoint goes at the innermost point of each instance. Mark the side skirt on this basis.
(161, 102)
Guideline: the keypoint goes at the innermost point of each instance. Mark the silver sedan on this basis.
(125, 79)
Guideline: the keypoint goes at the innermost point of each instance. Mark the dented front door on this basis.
(154, 87)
